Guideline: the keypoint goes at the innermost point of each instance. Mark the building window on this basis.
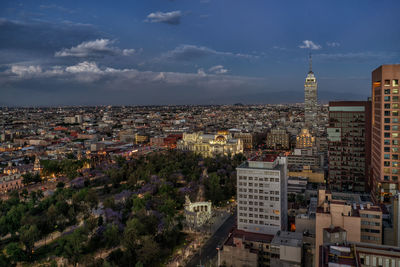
(387, 98)
(386, 149)
(395, 113)
(395, 135)
(387, 127)
(395, 156)
(395, 99)
(387, 135)
(395, 91)
(386, 142)
(395, 127)
(386, 156)
(387, 120)
(387, 91)
(387, 106)
(387, 113)
(395, 82)
(387, 83)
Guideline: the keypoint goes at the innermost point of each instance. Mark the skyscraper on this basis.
(385, 132)
(349, 145)
(310, 97)
(262, 194)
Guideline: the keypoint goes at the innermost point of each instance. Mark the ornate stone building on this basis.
(209, 145)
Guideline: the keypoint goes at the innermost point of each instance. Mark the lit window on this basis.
(395, 91)
(396, 106)
(395, 120)
(395, 127)
(395, 135)
(395, 82)
(395, 164)
(386, 170)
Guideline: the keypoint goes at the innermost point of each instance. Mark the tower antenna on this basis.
(310, 63)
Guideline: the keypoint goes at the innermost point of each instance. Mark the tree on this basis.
(213, 188)
(14, 252)
(72, 246)
(28, 236)
(111, 235)
(149, 251)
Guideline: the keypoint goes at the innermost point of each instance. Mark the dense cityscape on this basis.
(206, 133)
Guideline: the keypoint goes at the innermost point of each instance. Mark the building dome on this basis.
(220, 138)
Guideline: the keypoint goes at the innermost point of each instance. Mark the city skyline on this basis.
(197, 52)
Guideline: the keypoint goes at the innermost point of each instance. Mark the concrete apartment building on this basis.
(385, 132)
(359, 254)
(349, 145)
(362, 222)
(262, 194)
(278, 139)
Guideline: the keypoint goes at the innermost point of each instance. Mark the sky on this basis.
(165, 52)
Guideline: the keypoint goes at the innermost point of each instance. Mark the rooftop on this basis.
(285, 238)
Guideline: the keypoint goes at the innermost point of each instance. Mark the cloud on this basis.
(96, 48)
(24, 71)
(201, 73)
(172, 18)
(359, 56)
(219, 69)
(90, 72)
(333, 44)
(310, 45)
(187, 52)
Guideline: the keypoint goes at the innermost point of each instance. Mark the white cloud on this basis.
(333, 44)
(201, 73)
(189, 52)
(96, 48)
(219, 69)
(128, 52)
(25, 70)
(173, 17)
(310, 45)
(84, 67)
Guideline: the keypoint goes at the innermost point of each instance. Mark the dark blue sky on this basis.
(191, 51)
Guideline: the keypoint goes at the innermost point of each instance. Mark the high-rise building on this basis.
(385, 132)
(349, 145)
(310, 97)
(262, 194)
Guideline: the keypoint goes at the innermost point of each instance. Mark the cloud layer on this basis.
(172, 18)
(96, 48)
(188, 52)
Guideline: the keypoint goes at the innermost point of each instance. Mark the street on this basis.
(209, 250)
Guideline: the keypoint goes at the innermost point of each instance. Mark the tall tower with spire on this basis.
(310, 97)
